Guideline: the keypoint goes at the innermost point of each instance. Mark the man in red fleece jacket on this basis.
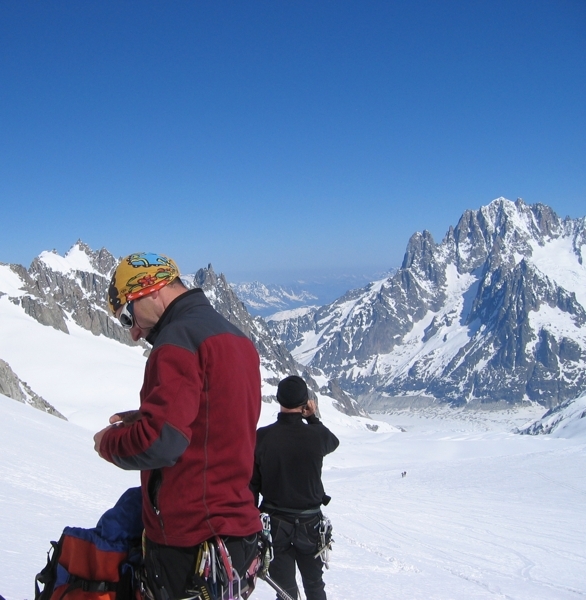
(193, 436)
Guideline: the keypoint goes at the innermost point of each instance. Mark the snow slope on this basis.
(90, 377)
(481, 514)
(566, 420)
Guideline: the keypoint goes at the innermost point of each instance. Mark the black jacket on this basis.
(288, 461)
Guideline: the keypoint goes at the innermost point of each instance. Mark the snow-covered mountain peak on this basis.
(465, 320)
(80, 257)
(74, 260)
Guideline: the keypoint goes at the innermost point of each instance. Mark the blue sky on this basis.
(276, 139)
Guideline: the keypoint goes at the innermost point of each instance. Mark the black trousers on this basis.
(295, 543)
(170, 570)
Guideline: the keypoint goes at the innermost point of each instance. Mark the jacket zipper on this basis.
(154, 487)
(158, 513)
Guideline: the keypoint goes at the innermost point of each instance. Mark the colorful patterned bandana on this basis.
(138, 275)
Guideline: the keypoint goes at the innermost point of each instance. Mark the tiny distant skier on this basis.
(287, 473)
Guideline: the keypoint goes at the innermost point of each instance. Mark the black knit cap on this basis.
(292, 392)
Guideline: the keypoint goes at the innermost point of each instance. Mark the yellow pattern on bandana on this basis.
(138, 275)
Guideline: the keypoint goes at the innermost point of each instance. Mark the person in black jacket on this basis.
(287, 473)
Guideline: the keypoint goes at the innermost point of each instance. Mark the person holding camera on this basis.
(287, 473)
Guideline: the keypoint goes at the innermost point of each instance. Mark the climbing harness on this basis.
(325, 540)
(215, 578)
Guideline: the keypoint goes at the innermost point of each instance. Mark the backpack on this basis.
(97, 563)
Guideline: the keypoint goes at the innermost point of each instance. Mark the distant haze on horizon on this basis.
(281, 141)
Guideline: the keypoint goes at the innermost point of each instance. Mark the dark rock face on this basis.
(13, 387)
(275, 357)
(344, 403)
(53, 297)
(481, 317)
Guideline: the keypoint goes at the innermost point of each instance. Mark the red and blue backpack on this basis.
(98, 563)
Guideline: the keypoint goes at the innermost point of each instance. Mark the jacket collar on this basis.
(289, 417)
(178, 307)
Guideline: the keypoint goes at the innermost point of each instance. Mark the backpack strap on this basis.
(48, 575)
(78, 583)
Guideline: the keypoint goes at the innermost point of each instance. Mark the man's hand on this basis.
(128, 417)
(309, 409)
(123, 419)
(98, 438)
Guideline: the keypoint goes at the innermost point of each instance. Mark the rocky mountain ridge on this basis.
(496, 312)
(56, 291)
(494, 315)
(12, 386)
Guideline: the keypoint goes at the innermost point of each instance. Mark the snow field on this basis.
(482, 513)
(86, 377)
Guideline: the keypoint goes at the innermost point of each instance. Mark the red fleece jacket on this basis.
(194, 443)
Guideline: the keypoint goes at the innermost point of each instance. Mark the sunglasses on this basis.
(126, 316)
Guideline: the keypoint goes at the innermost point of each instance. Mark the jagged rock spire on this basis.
(487, 315)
